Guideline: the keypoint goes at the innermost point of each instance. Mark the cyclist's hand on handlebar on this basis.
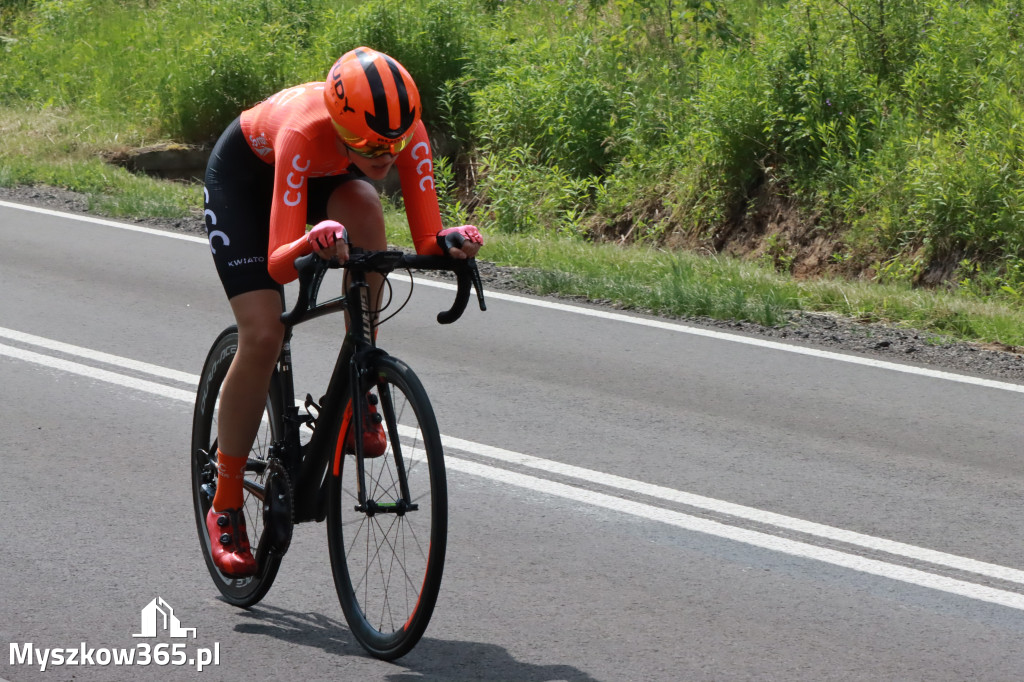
(329, 239)
(460, 242)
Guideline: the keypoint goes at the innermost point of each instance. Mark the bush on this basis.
(157, 65)
(524, 196)
(944, 188)
(557, 104)
(209, 89)
(898, 123)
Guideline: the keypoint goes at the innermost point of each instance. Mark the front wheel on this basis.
(387, 553)
(238, 591)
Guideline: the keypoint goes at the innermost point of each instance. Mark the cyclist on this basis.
(305, 156)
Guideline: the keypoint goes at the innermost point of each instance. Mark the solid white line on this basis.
(98, 374)
(612, 316)
(740, 511)
(519, 459)
(99, 356)
(750, 341)
(105, 222)
(642, 510)
(750, 537)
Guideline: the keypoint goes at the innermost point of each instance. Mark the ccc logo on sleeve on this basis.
(295, 180)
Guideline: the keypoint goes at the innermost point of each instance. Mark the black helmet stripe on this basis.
(378, 120)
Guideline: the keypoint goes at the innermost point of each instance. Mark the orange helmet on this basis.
(373, 101)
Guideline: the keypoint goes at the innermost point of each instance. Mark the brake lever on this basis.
(478, 285)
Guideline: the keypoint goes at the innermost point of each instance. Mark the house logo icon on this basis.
(158, 616)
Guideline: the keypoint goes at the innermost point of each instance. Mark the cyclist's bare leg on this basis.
(356, 205)
(244, 391)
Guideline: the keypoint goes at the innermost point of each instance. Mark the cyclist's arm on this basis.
(416, 171)
(288, 210)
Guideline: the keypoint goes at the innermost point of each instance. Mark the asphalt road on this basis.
(630, 499)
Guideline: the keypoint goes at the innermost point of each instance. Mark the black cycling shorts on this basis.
(239, 189)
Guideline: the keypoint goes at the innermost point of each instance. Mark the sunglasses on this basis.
(370, 151)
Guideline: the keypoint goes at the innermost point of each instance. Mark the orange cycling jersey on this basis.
(292, 131)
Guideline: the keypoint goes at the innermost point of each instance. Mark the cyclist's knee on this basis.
(261, 343)
(354, 196)
(260, 331)
(357, 206)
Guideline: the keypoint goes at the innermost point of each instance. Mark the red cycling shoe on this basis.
(229, 543)
(375, 441)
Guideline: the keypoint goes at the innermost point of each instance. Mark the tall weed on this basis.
(552, 99)
(524, 196)
(897, 121)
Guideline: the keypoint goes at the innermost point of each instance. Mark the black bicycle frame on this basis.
(310, 465)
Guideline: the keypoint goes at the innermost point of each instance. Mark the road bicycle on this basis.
(387, 515)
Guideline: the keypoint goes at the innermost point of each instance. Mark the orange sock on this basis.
(230, 474)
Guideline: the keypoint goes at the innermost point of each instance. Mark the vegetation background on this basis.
(696, 157)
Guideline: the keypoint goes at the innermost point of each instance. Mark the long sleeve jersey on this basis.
(292, 131)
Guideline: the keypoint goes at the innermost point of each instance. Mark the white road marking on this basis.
(741, 512)
(735, 338)
(150, 387)
(99, 356)
(607, 315)
(104, 221)
(696, 524)
(603, 500)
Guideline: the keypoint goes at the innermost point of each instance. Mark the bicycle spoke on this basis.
(387, 575)
(388, 558)
(205, 426)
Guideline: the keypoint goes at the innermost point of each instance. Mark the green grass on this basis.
(686, 284)
(63, 149)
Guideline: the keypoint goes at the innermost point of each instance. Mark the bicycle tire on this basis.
(387, 566)
(243, 592)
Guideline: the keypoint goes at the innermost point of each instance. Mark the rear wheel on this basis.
(238, 591)
(388, 557)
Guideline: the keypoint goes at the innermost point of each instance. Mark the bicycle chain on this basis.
(278, 507)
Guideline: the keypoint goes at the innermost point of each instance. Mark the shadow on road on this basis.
(439, 660)
(432, 659)
(306, 629)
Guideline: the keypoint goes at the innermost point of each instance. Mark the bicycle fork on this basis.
(361, 381)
